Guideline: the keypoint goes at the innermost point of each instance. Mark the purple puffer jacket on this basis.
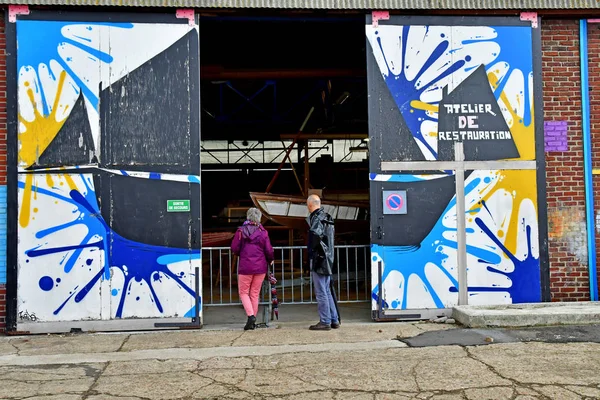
(251, 243)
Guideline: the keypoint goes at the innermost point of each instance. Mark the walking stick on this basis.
(332, 288)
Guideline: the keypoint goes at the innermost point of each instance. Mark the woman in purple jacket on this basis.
(251, 243)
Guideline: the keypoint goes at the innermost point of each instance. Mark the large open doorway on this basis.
(263, 80)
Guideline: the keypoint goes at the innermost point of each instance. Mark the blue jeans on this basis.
(325, 303)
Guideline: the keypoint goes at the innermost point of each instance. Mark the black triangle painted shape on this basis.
(475, 89)
(73, 144)
(147, 123)
(391, 138)
(146, 115)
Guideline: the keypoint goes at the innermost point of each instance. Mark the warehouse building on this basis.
(452, 142)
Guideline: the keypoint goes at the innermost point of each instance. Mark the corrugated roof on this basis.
(333, 4)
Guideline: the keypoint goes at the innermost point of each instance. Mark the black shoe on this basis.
(320, 327)
(251, 324)
(335, 325)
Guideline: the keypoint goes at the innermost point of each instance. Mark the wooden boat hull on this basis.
(291, 211)
(217, 239)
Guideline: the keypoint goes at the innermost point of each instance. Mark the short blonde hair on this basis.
(254, 215)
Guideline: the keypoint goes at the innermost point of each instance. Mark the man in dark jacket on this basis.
(321, 256)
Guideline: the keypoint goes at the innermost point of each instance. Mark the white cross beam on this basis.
(459, 165)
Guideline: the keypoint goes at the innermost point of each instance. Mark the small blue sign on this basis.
(394, 201)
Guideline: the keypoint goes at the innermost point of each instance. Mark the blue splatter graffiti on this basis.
(137, 261)
(405, 90)
(404, 178)
(412, 260)
(70, 255)
(46, 283)
(416, 63)
(526, 275)
(32, 54)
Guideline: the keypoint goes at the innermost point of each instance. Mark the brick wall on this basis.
(594, 79)
(564, 166)
(2, 173)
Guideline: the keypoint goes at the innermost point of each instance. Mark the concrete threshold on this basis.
(193, 354)
(528, 314)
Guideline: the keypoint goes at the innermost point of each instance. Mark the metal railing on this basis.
(294, 283)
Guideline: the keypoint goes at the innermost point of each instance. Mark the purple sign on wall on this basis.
(555, 136)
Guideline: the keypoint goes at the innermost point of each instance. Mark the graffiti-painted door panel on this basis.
(417, 250)
(159, 272)
(503, 257)
(54, 269)
(147, 114)
(417, 68)
(433, 83)
(115, 106)
(427, 196)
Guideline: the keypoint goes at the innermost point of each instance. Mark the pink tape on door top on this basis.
(530, 16)
(187, 13)
(13, 11)
(379, 15)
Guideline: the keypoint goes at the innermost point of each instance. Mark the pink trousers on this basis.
(249, 289)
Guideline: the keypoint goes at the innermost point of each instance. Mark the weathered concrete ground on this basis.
(359, 361)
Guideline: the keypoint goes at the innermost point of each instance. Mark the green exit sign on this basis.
(178, 205)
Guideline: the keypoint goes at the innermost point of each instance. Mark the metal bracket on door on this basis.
(196, 323)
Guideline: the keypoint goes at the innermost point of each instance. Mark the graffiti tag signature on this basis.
(26, 316)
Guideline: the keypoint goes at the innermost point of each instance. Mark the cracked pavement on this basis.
(359, 361)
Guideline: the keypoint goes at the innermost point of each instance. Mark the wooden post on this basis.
(289, 150)
(306, 169)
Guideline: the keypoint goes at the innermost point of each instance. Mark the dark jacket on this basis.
(320, 242)
(251, 243)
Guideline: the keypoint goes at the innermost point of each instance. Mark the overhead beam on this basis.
(324, 136)
(272, 167)
(214, 72)
(249, 150)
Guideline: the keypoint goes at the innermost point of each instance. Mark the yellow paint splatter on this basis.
(474, 210)
(49, 181)
(520, 184)
(420, 105)
(26, 206)
(70, 182)
(504, 221)
(484, 189)
(523, 135)
(40, 132)
(35, 210)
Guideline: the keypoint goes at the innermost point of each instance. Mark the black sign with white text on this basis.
(470, 114)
